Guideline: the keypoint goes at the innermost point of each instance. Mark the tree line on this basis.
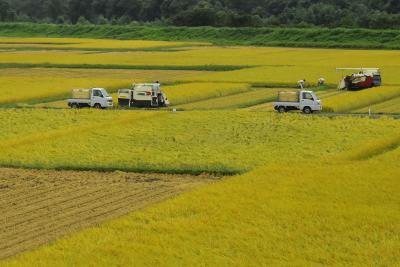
(231, 13)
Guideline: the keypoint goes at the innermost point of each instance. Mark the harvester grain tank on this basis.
(143, 95)
(364, 78)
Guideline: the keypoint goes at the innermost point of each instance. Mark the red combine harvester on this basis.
(364, 78)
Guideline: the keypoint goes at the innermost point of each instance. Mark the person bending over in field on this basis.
(301, 83)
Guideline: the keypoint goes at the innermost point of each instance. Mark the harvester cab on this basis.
(361, 78)
(143, 95)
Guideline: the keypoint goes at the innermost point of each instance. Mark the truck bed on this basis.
(286, 104)
(78, 100)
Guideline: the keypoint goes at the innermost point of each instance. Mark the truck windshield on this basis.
(105, 94)
(308, 96)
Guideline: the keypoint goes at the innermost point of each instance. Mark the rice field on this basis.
(222, 181)
(330, 215)
(365, 98)
(190, 92)
(25, 85)
(251, 98)
(84, 43)
(389, 106)
(164, 141)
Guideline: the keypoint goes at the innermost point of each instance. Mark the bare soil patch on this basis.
(39, 206)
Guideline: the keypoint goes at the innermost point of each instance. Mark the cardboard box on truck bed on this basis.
(288, 97)
(81, 93)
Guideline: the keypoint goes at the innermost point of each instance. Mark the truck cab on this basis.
(305, 101)
(95, 97)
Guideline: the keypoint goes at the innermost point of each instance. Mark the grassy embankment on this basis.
(290, 37)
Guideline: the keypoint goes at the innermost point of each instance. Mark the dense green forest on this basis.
(232, 13)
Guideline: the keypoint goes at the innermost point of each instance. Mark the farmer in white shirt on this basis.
(301, 83)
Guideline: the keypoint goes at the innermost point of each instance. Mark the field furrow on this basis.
(84, 211)
(47, 234)
(49, 204)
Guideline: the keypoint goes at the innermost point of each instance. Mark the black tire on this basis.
(97, 106)
(281, 109)
(307, 110)
(74, 105)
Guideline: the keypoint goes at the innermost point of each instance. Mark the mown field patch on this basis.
(39, 206)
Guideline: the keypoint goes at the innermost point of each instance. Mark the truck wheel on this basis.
(307, 110)
(97, 105)
(281, 109)
(74, 106)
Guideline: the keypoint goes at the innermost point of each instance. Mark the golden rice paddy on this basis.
(141, 187)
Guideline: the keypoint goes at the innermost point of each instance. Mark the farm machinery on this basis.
(364, 78)
(143, 95)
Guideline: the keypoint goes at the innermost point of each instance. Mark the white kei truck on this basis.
(147, 95)
(305, 101)
(95, 98)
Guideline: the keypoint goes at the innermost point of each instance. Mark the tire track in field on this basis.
(55, 228)
(39, 206)
(76, 225)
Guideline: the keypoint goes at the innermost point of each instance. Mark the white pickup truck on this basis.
(306, 101)
(95, 97)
